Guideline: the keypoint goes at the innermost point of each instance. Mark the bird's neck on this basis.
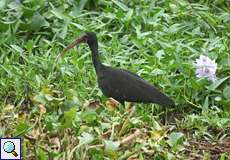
(95, 56)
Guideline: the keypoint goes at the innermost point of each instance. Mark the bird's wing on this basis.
(124, 85)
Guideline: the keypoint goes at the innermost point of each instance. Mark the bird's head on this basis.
(88, 37)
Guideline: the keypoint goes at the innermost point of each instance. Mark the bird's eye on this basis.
(85, 38)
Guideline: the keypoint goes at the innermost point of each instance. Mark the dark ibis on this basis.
(122, 85)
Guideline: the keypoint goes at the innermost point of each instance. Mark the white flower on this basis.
(205, 67)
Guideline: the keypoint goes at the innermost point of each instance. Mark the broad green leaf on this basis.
(175, 138)
(41, 154)
(89, 116)
(226, 92)
(96, 154)
(69, 117)
(216, 84)
(196, 84)
(40, 98)
(225, 62)
(59, 13)
(21, 128)
(226, 105)
(29, 46)
(2, 4)
(206, 103)
(37, 22)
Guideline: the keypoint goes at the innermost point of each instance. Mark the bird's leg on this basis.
(131, 111)
(166, 116)
(129, 106)
(112, 104)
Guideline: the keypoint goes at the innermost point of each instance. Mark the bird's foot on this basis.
(112, 104)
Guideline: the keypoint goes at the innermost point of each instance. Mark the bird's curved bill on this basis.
(71, 45)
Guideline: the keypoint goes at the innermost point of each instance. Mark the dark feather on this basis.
(124, 85)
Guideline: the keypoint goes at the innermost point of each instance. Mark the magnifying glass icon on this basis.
(9, 147)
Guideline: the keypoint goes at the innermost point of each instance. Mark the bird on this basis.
(120, 84)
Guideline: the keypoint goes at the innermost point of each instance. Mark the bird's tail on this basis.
(165, 100)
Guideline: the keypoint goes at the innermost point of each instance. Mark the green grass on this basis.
(158, 40)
